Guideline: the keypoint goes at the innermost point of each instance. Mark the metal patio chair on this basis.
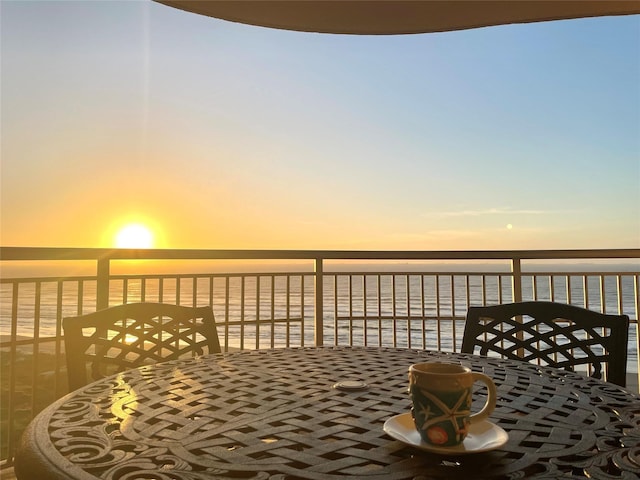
(134, 334)
(554, 334)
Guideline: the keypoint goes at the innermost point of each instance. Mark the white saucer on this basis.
(483, 436)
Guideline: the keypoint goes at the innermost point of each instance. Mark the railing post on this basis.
(102, 286)
(516, 279)
(516, 288)
(319, 303)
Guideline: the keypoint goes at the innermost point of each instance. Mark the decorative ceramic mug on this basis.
(441, 394)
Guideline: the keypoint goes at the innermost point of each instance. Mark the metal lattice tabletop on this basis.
(275, 414)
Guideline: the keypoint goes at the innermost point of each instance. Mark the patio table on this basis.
(276, 414)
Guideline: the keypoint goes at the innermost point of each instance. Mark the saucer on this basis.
(483, 436)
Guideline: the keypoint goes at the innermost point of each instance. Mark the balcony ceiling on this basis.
(387, 17)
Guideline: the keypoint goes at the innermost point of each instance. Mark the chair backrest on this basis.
(555, 334)
(135, 334)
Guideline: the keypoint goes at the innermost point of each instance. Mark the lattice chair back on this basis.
(130, 335)
(555, 334)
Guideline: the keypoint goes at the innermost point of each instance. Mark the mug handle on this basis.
(492, 394)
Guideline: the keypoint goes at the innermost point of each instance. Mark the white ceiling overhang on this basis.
(387, 17)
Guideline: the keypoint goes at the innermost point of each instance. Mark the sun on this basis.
(134, 235)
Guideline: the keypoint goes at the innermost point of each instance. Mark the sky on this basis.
(214, 134)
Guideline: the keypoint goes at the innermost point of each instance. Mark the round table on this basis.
(275, 414)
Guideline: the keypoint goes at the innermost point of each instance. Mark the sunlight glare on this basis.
(134, 235)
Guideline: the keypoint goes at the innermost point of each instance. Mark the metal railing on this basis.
(400, 299)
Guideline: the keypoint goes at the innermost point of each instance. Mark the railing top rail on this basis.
(57, 253)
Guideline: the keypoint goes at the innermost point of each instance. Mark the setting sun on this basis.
(134, 235)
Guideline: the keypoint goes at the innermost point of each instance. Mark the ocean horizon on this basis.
(72, 268)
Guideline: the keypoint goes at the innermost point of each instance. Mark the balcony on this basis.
(273, 299)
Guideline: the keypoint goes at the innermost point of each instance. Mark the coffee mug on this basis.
(441, 394)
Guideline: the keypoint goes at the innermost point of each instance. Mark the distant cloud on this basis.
(488, 211)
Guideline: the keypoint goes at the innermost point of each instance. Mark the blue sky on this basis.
(221, 135)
